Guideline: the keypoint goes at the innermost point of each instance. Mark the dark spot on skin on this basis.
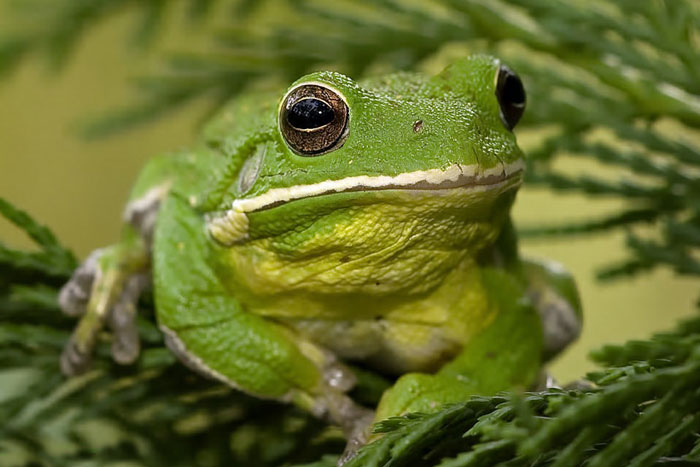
(377, 283)
(344, 259)
(418, 126)
(377, 318)
(215, 145)
(490, 355)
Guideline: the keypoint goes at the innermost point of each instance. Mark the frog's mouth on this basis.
(232, 226)
(455, 176)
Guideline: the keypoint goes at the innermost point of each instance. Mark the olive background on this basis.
(78, 187)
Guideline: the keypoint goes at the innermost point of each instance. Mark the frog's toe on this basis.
(545, 381)
(75, 295)
(338, 376)
(354, 419)
(122, 320)
(358, 435)
(561, 324)
(104, 290)
(74, 359)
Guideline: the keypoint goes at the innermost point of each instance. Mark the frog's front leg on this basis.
(106, 287)
(550, 287)
(211, 331)
(505, 355)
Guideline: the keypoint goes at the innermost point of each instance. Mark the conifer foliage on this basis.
(615, 84)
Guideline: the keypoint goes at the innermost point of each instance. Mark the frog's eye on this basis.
(313, 119)
(511, 96)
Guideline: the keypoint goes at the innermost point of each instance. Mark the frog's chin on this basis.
(231, 226)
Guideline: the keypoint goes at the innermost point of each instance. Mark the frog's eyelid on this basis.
(311, 83)
(469, 177)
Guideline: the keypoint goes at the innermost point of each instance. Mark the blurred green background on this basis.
(78, 187)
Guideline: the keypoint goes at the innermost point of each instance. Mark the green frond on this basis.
(643, 407)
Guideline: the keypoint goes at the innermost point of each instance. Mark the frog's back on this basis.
(400, 85)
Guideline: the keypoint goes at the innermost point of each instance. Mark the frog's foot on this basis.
(553, 293)
(561, 324)
(353, 419)
(358, 436)
(106, 288)
(339, 409)
(102, 290)
(545, 381)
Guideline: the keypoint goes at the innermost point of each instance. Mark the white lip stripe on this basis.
(432, 177)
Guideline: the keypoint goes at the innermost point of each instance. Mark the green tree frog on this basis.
(337, 222)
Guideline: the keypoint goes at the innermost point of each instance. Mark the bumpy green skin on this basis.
(423, 283)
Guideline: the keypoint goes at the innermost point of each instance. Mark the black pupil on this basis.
(310, 113)
(513, 91)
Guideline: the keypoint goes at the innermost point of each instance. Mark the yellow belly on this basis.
(415, 335)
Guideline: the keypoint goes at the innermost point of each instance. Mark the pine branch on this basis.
(53, 28)
(644, 409)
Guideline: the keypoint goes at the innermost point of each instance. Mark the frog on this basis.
(339, 222)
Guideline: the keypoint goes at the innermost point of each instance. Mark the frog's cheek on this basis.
(229, 228)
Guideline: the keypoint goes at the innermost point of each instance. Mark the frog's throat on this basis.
(231, 227)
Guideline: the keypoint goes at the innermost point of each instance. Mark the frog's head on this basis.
(349, 172)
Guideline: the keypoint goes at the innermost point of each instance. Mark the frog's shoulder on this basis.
(403, 85)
